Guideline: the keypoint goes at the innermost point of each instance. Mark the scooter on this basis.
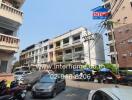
(15, 92)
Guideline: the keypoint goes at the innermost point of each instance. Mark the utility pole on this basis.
(110, 26)
(88, 39)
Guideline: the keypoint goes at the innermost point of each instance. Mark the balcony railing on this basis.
(66, 44)
(57, 47)
(68, 56)
(9, 42)
(79, 54)
(76, 41)
(11, 12)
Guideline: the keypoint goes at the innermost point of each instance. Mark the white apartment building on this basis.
(69, 47)
(10, 19)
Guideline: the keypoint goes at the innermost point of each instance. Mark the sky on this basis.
(48, 18)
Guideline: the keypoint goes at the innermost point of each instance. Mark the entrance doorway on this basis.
(3, 66)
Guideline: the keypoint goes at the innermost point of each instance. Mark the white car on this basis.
(19, 75)
(116, 93)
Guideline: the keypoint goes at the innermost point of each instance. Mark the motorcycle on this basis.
(15, 92)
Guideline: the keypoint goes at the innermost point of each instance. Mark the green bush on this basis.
(112, 67)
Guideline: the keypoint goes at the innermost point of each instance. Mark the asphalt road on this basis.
(70, 93)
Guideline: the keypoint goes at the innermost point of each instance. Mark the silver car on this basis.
(116, 93)
(48, 86)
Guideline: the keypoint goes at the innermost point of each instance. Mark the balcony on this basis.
(66, 44)
(57, 47)
(68, 56)
(79, 54)
(76, 41)
(9, 43)
(11, 13)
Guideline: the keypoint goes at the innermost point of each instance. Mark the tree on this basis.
(86, 66)
(112, 67)
(16, 64)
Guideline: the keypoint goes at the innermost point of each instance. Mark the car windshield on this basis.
(47, 79)
(19, 73)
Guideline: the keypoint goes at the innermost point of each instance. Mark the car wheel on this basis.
(53, 94)
(64, 88)
(33, 96)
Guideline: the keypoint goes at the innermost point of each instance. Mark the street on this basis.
(69, 94)
(75, 90)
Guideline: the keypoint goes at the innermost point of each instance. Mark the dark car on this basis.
(31, 79)
(48, 86)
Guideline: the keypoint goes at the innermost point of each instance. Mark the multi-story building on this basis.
(120, 35)
(10, 19)
(69, 47)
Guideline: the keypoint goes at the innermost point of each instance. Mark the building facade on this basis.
(69, 47)
(10, 19)
(120, 36)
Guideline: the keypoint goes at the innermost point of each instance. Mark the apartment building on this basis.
(10, 19)
(120, 36)
(69, 47)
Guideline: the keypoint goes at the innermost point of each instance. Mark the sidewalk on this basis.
(89, 85)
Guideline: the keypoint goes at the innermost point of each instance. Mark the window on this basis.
(130, 41)
(68, 51)
(51, 46)
(77, 37)
(131, 3)
(110, 37)
(33, 52)
(66, 40)
(60, 53)
(78, 49)
(45, 47)
(131, 54)
(58, 44)
(99, 95)
(111, 48)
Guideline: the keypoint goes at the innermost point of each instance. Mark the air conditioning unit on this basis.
(124, 55)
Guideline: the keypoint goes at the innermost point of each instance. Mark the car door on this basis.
(59, 84)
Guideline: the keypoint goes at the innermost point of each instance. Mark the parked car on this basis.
(48, 86)
(48, 71)
(31, 79)
(19, 75)
(116, 93)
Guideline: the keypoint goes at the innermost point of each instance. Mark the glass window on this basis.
(78, 49)
(51, 46)
(99, 95)
(45, 47)
(77, 37)
(58, 43)
(66, 40)
(131, 3)
(47, 79)
(68, 51)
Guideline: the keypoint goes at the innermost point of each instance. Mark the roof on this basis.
(122, 93)
(43, 41)
(69, 31)
(29, 47)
